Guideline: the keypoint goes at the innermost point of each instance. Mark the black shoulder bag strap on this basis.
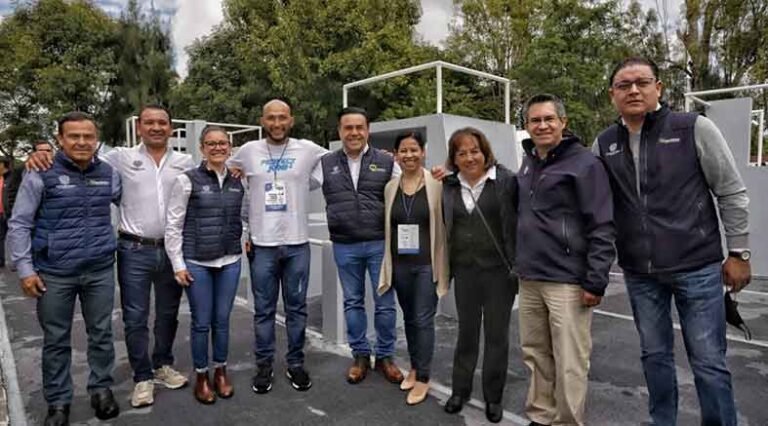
(490, 232)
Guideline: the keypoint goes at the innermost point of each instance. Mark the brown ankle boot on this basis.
(203, 389)
(221, 383)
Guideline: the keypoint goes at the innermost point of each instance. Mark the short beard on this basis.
(278, 141)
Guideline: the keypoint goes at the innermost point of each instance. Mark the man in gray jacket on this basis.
(664, 168)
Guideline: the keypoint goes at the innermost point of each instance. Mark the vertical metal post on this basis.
(128, 132)
(344, 101)
(506, 102)
(439, 70)
(760, 137)
(688, 101)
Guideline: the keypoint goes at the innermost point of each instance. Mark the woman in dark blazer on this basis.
(480, 222)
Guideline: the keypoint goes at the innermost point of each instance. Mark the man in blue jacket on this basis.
(565, 238)
(665, 168)
(63, 245)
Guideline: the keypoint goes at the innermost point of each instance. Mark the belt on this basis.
(155, 242)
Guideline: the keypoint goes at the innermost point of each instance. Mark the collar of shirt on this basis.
(359, 157)
(143, 150)
(658, 107)
(489, 174)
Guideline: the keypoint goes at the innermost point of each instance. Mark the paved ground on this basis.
(617, 394)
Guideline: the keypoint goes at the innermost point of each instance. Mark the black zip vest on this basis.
(212, 226)
(356, 215)
(672, 225)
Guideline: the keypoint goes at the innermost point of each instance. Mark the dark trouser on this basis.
(483, 296)
(417, 294)
(698, 296)
(271, 268)
(3, 233)
(96, 290)
(138, 267)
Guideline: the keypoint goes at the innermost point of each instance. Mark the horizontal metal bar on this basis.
(423, 67)
(728, 90)
(234, 132)
(237, 126)
(700, 101)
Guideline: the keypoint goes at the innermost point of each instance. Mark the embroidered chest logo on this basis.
(64, 182)
(137, 165)
(336, 170)
(669, 140)
(206, 189)
(375, 168)
(613, 149)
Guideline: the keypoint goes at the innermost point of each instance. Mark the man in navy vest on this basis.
(63, 245)
(665, 168)
(353, 180)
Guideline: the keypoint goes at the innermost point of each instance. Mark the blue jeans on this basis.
(96, 290)
(210, 297)
(272, 267)
(352, 260)
(417, 294)
(698, 296)
(138, 267)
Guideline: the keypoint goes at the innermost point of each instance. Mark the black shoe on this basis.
(262, 381)
(493, 412)
(454, 404)
(299, 378)
(103, 402)
(536, 424)
(58, 415)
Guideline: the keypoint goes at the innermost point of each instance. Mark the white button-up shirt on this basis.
(471, 193)
(146, 187)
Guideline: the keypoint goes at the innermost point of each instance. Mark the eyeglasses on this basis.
(641, 83)
(215, 144)
(549, 120)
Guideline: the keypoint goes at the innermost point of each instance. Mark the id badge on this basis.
(275, 199)
(407, 239)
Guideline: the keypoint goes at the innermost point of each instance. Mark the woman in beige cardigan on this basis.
(415, 256)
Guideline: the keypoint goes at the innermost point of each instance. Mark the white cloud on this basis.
(193, 19)
(435, 17)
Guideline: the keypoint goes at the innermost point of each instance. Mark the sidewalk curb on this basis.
(10, 395)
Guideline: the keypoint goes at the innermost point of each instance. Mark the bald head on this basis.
(275, 104)
(277, 121)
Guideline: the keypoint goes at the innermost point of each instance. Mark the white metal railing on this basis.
(692, 97)
(131, 137)
(760, 123)
(438, 66)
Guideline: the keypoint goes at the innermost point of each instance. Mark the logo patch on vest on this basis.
(668, 141)
(137, 165)
(525, 170)
(335, 170)
(94, 182)
(613, 149)
(234, 190)
(64, 182)
(375, 168)
(206, 189)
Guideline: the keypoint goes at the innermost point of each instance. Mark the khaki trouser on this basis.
(556, 343)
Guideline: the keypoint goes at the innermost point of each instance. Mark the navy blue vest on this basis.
(672, 226)
(212, 226)
(73, 228)
(356, 215)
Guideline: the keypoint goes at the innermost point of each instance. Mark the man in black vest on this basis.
(664, 168)
(353, 180)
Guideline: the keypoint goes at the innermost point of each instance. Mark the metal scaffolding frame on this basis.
(131, 137)
(695, 97)
(438, 66)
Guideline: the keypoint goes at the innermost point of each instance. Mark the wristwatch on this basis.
(744, 255)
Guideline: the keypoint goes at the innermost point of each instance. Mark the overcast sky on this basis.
(191, 19)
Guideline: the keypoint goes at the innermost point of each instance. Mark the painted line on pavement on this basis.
(437, 389)
(676, 326)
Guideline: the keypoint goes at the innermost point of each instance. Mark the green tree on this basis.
(304, 51)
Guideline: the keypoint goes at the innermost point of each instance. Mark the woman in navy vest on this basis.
(203, 240)
(415, 256)
(480, 222)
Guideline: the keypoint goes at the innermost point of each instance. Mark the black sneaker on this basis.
(262, 381)
(299, 378)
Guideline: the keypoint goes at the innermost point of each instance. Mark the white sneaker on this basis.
(170, 378)
(143, 394)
